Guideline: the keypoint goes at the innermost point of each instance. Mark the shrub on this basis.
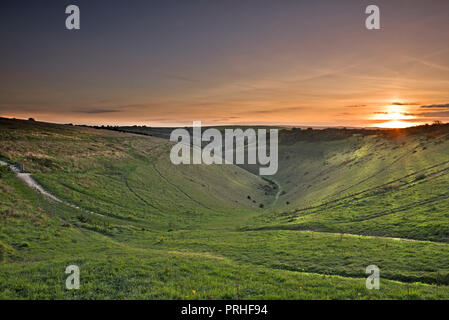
(24, 245)
(420, 177)
(82, 218)
(391, 187)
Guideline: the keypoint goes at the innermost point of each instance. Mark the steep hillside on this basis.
(392, 184)
(125, 175)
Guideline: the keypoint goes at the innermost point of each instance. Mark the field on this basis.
(141, 228)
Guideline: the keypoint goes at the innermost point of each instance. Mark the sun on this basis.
(396, 124)
(395, 116)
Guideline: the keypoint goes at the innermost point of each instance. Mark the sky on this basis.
(283, 62)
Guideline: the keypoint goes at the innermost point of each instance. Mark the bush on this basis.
(391, 187)
(420, 177)
(82, 218)
(24, 245)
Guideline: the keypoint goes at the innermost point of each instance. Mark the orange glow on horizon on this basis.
(397, 124)
(395, 116)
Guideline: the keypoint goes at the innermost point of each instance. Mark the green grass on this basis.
(147, 229)
(394, 187)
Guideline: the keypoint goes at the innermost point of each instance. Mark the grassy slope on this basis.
(121, 171)
(156, 233)
(366, 185)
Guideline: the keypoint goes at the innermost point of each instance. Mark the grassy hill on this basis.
(140, 227)
(393, 183)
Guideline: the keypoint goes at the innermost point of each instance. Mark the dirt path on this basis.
(363, 236)
(29, 181)
(345, 234)
(278, 194)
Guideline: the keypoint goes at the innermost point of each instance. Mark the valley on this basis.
(140, 227)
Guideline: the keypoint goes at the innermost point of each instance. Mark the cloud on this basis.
(404, 104)
(178, 77)
(443, 114)
(96, 111)
(344, 114)
(269, 111)
(436, 106)
(356, 106)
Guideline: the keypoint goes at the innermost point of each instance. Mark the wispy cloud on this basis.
(96, 111)
(443, 114)
(436, 106)
(356, 106)
(277, 110)
(404, 103)
(429, 64)
(178, 77)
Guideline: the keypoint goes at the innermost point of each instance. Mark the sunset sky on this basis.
(285, 62)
